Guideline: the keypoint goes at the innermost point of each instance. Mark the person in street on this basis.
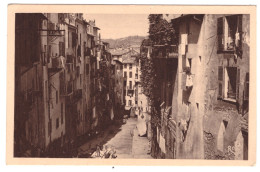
(96, 154)
(106, 153)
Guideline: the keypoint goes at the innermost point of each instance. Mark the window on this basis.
(69, 44)
(78, 71)
(130, 66)
(125, 66)
(246, 87)
(130, 74)
(228, 83)
(130, 84)
(50, 127)
(33, 84)
(80, 39)
(129, 102)
(62, 49)
(125, 74)
(229, 31)
(57, 123)
(49, 54)
(61, 110)
(87, 69)
(80, 78)
(57, 97)
(46, 91)
(136, 76)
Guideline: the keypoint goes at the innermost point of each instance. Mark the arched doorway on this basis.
(220, 141)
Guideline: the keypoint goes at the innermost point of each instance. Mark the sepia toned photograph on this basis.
(132, 86)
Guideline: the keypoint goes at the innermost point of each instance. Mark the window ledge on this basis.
(230, 100)
(226, 51)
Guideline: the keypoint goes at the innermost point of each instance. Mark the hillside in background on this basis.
(125, 42)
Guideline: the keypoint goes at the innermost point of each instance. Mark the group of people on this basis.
(104, 153)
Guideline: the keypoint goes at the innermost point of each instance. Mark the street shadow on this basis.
(99, 140)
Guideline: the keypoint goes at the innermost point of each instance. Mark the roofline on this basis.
(54, 73)
(96, 27)
(90, 34)
(118, 61)
(69, 25)
(185, 16)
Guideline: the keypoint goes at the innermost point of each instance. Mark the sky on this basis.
(114, 26)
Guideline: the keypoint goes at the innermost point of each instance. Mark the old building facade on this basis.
(59, 83)
(204, 90)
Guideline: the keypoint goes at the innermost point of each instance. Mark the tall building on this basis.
(203, 80)
(62, 75)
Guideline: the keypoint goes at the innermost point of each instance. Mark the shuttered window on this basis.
(62, 49)
(246, 92)
(237, 84)
(50, 127)
(239, 24)
(49, 53)
(220, 82)
(229, 33)
(220, 29)
(183, 83)
(87, 69)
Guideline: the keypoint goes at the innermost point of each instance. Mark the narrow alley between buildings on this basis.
(178, 93)
(123, 138)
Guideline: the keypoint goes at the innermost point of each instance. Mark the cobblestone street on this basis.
(125, 140)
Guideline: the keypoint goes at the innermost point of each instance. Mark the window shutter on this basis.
(220, 26)
(239, 23)
(183, 83)
(220, 82)
(63, 49)
(239, 26)
(237, 84)
(246, 91)
(49, 53)
(220, 73)
(60, 48)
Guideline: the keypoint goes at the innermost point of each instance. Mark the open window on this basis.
(228, 83)
(229, 30)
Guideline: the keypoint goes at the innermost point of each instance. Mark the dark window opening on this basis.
(57, 97)
(61, 113)
(130, 84)
(229, 30)
(57, 123)
(231, 80)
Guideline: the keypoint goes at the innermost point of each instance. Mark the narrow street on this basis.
(124, 139)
